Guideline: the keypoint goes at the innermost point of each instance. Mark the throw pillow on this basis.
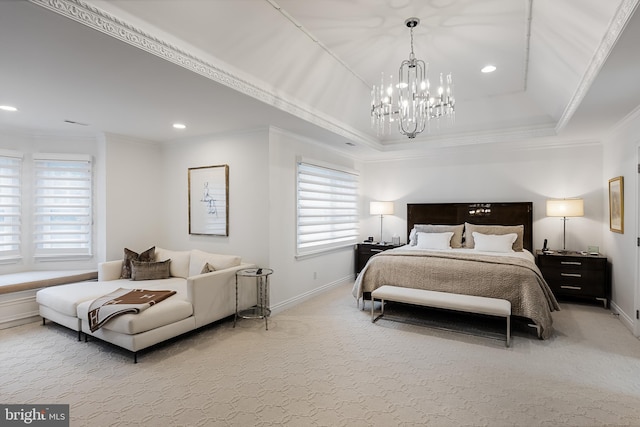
(129, 255)
(208, 268)
(434, 240)
(141, 270)
(456, 239)
(495, 229)
(494, 242)
(179, 261)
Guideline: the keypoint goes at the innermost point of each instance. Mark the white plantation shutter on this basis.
(10, 204)
(63, 206)
(327, 208)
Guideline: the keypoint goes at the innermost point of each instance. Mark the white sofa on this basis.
(200, 299)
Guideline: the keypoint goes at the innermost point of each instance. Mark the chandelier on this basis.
(411, 103)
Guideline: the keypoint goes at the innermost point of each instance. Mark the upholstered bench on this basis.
(445, 300)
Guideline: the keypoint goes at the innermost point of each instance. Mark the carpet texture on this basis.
(323, 363)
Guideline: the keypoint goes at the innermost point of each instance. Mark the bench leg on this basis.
(373, 318)
(508, 331)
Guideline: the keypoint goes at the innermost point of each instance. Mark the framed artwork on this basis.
(209, 200)
(616, 204)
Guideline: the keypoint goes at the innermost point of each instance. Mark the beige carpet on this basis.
(323, 363)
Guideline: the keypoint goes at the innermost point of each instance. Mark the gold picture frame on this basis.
(209, 200)
(616, 204)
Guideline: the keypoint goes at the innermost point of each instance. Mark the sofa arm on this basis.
(213, 295)
(110, 270)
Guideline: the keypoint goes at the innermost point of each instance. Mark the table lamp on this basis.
(381, 208)
(565, 208)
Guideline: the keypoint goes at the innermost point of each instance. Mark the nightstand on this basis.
(364, 251)
(573, 274)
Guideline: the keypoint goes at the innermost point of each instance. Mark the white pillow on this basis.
(217, 261)
(179, 266)
(434, 240)
(494, 242)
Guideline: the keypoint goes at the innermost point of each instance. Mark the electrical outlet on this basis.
(315, 275)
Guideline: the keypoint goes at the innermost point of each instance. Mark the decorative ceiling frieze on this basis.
(106, 23)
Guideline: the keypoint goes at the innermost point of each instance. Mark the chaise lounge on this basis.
(204, 285)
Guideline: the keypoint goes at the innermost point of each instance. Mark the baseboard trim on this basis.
(623, 317)
(291, 302)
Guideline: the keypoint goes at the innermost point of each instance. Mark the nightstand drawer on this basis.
(364, 251)
(571, 264)
(583, 282)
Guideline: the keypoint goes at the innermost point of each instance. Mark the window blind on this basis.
(10, 206)
(327, 208)
(63, 206)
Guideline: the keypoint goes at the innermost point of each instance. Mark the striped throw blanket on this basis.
(122, 301)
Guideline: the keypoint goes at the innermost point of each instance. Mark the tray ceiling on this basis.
(223, 66)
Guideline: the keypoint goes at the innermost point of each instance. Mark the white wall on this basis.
(497, 173)
(130, 203)
(247, 156)
(297, 279)
(621, 159)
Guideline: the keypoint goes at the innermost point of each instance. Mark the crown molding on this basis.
(476, 138)
(110, 25)
(616, 27)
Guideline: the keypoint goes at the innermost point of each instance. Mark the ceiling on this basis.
(566, 70)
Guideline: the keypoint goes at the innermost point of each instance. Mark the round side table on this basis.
(261, 310)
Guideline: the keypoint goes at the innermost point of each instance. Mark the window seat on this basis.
(18, 292)
(27, 280)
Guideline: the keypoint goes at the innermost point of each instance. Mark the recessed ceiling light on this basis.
(8, 108)
(179, 126)
(488, 69)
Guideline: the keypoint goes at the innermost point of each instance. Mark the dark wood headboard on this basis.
(511, 213)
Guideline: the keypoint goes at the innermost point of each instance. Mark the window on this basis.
(62, 206)
(327, 204)
(10, 205)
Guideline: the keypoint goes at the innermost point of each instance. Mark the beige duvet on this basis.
(515, 279)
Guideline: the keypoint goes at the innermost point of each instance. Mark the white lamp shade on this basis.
(381, 208)
(565, 207)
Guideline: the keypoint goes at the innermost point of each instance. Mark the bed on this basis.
(478, 262)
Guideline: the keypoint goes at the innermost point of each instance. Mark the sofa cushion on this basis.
(179, 261)
(65, 298)
(217, 261)
(150, 270)
(165, 312)
(129, 255)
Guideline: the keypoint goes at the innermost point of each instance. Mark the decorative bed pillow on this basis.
(434, 240)
(494, 229)
(141, 270)
(130, 255)
(494, 242)
(456, 240)
(179, 261)
(217, 261)
(208, 268)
